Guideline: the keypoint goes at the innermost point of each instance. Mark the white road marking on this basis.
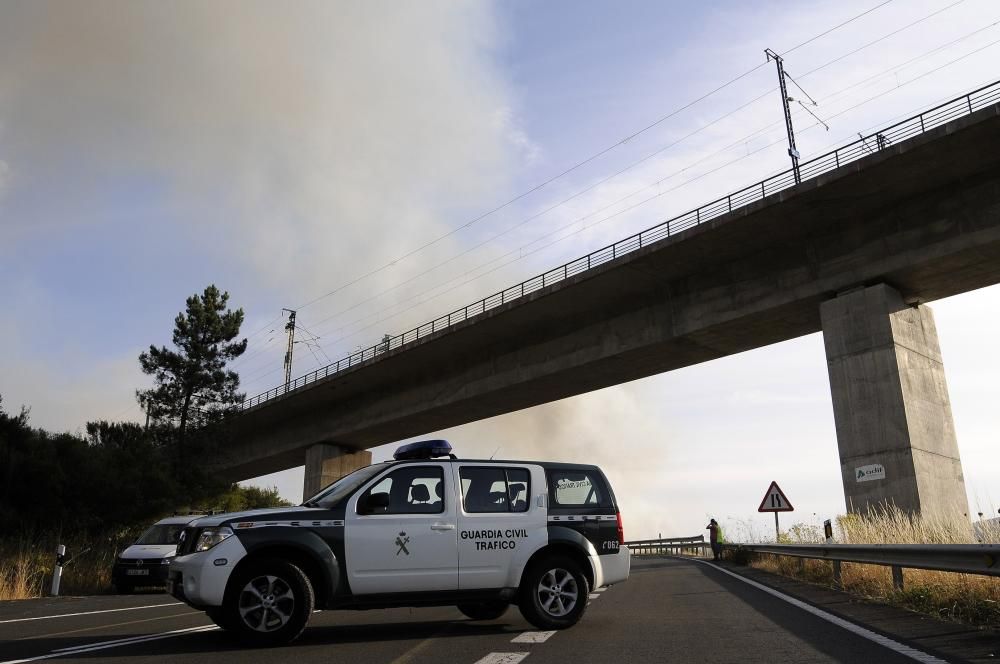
(593, 595)
(90, 613)
(600, 590)
(65, 652)
(496, 658)
(127, 639)
(532, 637)
(886, 642)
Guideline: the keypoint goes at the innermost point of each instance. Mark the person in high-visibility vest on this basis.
(716, 537)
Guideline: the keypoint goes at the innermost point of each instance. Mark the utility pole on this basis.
(792, 152)
(290, 327)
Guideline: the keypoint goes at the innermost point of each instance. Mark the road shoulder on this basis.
(951, 641)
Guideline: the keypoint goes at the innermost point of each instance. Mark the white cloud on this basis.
(320, 140)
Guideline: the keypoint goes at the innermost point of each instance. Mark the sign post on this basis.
(775, 501)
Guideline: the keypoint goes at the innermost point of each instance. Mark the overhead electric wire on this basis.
(629, 167)
(315, 339)
(520, 250)
(885, 72)
(532, 190)
(243, 359)
(552, 207)
(836, 27)
(842, 112)
(308, 342)
(917, 78)
(579, 164)
(687, 167)
(522, 255)
(309, 346)
(275, 320)
(880, 39)
(728, 163)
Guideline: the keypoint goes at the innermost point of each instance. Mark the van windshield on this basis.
(343, 487)
(162, 534)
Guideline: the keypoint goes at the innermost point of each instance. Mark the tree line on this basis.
(122, 474)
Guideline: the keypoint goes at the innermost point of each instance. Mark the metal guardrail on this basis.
(918, 124)
(672, 545)
(982, 559)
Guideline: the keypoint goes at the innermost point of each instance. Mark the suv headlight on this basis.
(209, 537)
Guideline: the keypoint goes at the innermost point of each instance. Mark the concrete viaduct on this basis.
(855, 253)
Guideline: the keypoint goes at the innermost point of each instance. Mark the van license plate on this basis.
(137, 572)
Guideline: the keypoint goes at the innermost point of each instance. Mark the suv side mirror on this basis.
(373, 502)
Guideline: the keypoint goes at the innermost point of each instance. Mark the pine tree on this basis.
(192, 384)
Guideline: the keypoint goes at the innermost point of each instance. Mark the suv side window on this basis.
(411, 490)
(577, 488)
(495, 489)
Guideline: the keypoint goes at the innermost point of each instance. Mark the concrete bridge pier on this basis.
(890, 404)
(326, 463)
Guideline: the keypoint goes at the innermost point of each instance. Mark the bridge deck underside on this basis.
(922, 216)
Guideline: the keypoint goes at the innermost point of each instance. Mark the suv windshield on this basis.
(336, 492)
(163, 534)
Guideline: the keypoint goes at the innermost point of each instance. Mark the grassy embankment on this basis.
(965, 598)
(26, 564)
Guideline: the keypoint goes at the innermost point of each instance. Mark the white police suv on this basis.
(427, 529)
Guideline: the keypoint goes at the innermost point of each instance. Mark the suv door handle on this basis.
(443, 526)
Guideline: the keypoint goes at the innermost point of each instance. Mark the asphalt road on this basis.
(669, 611)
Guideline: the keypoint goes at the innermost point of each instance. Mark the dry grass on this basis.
(26, 565)
(966, 598)
(20, 578)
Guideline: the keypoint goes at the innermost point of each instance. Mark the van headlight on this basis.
(209, 537)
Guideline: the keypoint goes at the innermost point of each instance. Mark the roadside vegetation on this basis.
(96, 490)
(965, 598)
(27, 559)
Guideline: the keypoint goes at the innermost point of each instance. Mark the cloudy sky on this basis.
(376, 164)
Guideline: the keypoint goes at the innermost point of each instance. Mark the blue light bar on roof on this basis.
(423, 449)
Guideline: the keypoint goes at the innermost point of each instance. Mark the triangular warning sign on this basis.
(775, 500)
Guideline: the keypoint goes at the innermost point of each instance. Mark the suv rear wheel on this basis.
(554, 593)
(268, 603)
(484, 610)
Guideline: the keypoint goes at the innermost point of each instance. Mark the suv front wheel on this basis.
(268, 603)
(554, 593)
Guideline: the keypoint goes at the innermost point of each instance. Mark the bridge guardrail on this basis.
(913, 126)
